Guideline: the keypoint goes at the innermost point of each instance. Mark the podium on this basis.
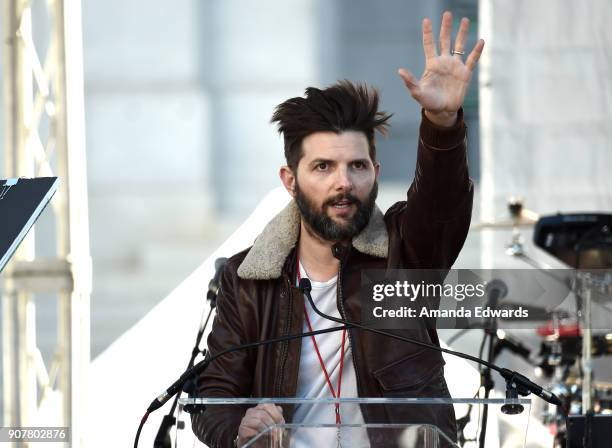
(310, 422)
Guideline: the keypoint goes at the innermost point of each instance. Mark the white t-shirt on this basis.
(312, 382)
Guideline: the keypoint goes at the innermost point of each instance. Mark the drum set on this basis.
(569, 341)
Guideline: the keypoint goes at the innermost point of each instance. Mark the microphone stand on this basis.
(487, 378)
(498, 291)
(461, 424)
(162, 439)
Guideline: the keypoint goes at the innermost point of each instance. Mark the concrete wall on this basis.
(251, 57)
(148, 155)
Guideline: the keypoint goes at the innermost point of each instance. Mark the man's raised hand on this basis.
(444, 83)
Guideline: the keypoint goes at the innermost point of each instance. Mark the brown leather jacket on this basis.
(258, 299)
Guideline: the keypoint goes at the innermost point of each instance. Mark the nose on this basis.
(343, 180)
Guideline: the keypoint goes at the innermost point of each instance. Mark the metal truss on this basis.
(45, 136)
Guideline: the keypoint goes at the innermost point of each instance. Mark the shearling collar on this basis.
(266, 258)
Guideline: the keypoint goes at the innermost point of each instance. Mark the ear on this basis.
(288, 179)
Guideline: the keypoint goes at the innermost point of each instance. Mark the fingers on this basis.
(256, 422)
(475, 55)
(464, 27)
(246, 432)
(250, 424)
(276, 412)
(428, 44)
(445, 32)
(411, 82)
(268, 413)
(258, 419)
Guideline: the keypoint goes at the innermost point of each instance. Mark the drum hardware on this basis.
(589, 430)
(580, 240)
(505, 341)
(588, 282)
(519, 217)
(564, 350)
(584, 242)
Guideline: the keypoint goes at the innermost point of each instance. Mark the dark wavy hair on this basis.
(341, 107)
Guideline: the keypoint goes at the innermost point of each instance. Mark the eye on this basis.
(360, 165)
(321, 166)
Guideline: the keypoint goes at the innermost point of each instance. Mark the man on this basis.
(330, 232)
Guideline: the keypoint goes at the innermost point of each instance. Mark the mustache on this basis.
(342, 197)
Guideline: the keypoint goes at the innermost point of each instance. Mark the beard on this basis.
(324, 226)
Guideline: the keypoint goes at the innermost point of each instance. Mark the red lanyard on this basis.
(314, 342)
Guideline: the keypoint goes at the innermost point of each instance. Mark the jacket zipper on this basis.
(340, 304)
(285, 350)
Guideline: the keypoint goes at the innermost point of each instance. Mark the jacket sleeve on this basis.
(226, 377)
(433, 222)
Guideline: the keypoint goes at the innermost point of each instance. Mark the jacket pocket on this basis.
(412, 372)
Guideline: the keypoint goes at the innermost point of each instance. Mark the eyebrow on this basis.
(315, 162)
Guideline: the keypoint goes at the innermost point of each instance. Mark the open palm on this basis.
(444, 83)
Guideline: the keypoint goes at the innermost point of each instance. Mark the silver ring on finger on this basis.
(458, 52)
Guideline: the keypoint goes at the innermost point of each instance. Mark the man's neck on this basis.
(316, 255)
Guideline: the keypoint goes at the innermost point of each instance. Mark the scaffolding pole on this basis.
(48, 90)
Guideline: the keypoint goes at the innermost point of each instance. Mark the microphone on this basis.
(496, 290)
(523, 384)
(213, 285)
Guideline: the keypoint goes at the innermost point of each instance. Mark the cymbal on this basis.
(519, 217)
(504, 224)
